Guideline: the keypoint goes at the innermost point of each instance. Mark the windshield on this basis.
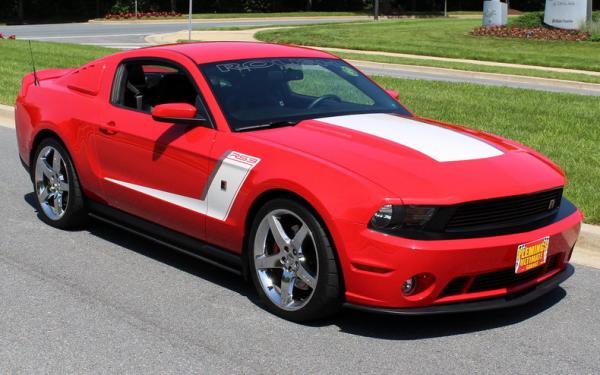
(263, 93)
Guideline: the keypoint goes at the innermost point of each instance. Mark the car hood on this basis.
(418, 160)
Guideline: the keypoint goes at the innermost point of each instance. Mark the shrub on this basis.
(131, 15)
(529, 20)
(593, 28)
(536, 19)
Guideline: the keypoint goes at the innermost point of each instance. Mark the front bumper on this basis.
(490, 304)
(375, 265)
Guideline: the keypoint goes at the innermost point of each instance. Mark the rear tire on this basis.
(57, 193)
(292, 262)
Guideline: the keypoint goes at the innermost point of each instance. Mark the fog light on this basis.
(409, 286)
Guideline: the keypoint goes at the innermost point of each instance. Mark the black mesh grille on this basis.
(498, 279)
(505, 211)
(454, 287)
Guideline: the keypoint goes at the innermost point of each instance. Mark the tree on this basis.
(173, 5)
(20, 11)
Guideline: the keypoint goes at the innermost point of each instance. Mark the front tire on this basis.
(57, 192)
(292, 262)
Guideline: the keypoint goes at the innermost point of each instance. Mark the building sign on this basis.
(566, 14)
(494, 13)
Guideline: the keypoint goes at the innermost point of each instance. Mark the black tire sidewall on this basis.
(75, 215)
(326, 298)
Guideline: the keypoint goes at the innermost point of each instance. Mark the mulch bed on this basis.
(542, 33)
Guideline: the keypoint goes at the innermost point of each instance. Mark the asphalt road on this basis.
(129, 35)
(101, 300)
(411, 74)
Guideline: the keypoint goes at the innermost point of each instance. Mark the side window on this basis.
(143, 85)
(319, 81)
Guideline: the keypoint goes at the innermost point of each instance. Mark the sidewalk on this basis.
(7, 116)
(587, 250)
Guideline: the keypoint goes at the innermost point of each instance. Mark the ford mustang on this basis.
(292, 168)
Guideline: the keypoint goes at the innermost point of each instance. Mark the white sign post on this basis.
(566, 14)
(190, 23)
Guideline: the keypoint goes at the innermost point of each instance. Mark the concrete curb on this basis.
(587, 249)
(7, 116)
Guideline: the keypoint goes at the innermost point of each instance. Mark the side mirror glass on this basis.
(178, 113)
(393, 93)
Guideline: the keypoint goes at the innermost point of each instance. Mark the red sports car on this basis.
(291, 167)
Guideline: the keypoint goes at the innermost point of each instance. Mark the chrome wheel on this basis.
(286, 260)
(51, 183)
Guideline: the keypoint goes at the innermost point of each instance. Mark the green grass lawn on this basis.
(15, 61)
(441, 37)
(562, 126)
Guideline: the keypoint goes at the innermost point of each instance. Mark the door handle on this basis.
(108, 129)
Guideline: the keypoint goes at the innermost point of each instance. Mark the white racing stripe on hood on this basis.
(438, 143)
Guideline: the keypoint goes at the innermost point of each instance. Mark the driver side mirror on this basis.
(393, 93)
(178, 113)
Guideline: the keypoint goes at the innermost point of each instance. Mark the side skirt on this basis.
(177, 241)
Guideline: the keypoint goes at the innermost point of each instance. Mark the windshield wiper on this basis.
(272, 124)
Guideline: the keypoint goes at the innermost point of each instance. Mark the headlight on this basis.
(383, 218)
(391, 217)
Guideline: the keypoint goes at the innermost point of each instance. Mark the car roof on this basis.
(207, 52)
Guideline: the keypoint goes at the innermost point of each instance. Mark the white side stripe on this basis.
(233, 169)
(434, 141)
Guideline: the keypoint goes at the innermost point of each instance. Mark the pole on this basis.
(136, 12)
(376, 10)
(589, 11)
(445, 8)
(190, 23)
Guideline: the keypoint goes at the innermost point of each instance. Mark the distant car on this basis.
(289, 166)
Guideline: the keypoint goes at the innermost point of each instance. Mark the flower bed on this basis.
(140, 15)
(542, 33)
(11, 37)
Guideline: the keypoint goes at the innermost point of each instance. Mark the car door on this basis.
(155, 170)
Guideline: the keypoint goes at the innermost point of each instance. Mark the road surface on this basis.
(101, 300)
(130, 35)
